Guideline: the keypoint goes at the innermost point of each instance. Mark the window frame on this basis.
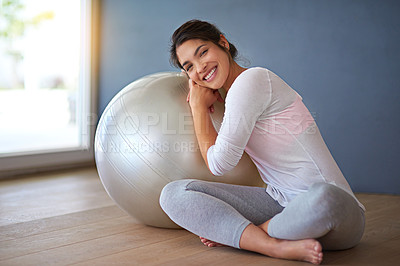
(54, 159)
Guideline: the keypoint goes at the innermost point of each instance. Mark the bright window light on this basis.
(40, 75)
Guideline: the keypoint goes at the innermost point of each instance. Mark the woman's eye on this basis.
(188, 68)
(205, 51)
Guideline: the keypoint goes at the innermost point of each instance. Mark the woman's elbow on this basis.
(218, 171)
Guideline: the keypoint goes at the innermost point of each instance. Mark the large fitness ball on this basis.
(145, 139)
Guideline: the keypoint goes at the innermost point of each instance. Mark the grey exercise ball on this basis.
(145, 139)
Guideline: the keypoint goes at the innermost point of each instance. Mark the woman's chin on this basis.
(212, 85)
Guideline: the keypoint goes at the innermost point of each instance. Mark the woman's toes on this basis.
(210, 243)
(317, 247)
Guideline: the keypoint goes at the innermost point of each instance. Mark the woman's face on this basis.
(205, 63)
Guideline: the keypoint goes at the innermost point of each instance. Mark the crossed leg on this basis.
(228, 214)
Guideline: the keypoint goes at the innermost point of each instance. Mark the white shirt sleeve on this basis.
(246, 100)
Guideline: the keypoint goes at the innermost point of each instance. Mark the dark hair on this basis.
(197, 29)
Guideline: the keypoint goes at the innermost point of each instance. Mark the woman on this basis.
(307, 205)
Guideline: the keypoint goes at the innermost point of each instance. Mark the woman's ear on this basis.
(223, 42)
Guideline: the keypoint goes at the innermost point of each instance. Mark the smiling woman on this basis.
(307, 205)
(45, 84)
(217, 60)
(208, 44)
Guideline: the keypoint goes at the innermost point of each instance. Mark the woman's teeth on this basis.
(210, 74)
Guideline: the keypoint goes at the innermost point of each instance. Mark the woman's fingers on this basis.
(219, 97)
(202, 96)
(191, 84)
(211, 108)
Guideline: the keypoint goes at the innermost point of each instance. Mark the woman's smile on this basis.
(211, 75)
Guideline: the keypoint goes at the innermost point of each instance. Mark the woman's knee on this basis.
(323, 188)
(172, 192)
(328, 199)
(325, 193)
(332, 201)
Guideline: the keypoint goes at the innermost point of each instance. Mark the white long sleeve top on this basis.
(266, 118)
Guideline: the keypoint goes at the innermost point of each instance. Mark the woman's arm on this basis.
(246, 100)
(204, 130)
(200, 100)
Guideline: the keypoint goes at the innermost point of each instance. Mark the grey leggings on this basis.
(220, 212)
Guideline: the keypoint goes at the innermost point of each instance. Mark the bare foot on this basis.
(210, 243)
(309, 250)
(254, 238)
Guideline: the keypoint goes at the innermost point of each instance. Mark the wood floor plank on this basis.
(47, 196)
(154, 254)
(230, 256)
(99, 247)
(385, 254)
(186, 250)
(45, 241)
(382, 219)
(41, 226)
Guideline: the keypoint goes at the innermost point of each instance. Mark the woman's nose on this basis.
(201, 68)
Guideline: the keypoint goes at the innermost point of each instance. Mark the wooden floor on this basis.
(67, 218)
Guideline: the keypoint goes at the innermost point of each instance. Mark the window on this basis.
(47, 115)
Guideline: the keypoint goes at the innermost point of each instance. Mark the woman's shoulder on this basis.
(254, 76)
(254, 82)
(254, 72)
(250, 93)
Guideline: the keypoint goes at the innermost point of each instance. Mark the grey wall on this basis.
(342, 56)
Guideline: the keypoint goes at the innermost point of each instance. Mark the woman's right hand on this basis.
(202, 96)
